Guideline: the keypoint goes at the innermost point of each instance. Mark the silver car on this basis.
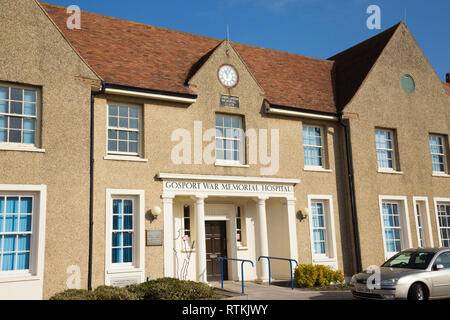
(413, 274)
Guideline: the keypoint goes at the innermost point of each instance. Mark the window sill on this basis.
(125, 158)
(236, 165)
(390, 171)
(324, 260)
(316, 169)
(440, 175)
(21, 149)
(18, 278)
(118, 270)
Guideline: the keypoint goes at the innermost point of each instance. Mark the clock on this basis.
(228, 76)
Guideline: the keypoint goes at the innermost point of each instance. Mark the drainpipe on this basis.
(352, 193)
(91, 184)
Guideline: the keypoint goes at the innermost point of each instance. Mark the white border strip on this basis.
(150, 95)
(300, 114)
(176, 176)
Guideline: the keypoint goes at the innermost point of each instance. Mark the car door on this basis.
(441, 278)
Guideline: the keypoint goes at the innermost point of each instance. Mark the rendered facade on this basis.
(129, 152)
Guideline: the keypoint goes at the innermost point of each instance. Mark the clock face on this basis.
(228, 76)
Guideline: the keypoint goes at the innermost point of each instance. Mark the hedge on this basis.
(161, 289)
(308, 276)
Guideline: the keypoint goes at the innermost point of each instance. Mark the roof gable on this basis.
(143, 56)
(354, 64)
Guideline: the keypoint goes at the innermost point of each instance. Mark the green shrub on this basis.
(74, 295)
(308, 276)
(114, 293)
(161, 289)
(172, 289)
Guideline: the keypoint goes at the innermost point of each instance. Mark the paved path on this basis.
(255, 291)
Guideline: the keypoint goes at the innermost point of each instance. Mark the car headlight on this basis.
(389, 282)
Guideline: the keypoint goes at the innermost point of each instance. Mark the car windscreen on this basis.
(410, 260)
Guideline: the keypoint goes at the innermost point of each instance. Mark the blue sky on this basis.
(316, 28)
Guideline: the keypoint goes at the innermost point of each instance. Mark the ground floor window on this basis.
(395, 224)
(322, 230)
(125, 236)
(443, 212)
(122, 230)
(16, 214)
(318, 211)
(392, 227)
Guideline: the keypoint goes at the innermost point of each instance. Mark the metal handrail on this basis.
(283, 259)
(242, 268)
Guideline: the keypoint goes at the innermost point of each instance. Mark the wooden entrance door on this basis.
(216, 246)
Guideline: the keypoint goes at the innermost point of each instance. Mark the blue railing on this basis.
(283, 259)
(242, 268)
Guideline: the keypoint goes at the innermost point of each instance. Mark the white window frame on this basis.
(8, 146)
(444, 154)
(324, 166)
(395, 164)
(330, 258)
(242, 140)
(406, 239)
(117, 155)
(438, 201)
(28, 283)
(136, 269)
(426, 219)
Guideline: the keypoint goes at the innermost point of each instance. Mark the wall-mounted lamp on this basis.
(156, 211)
(304, 214)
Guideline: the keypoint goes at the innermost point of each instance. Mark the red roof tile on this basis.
(133, 54)
(354, 64)
(447, 87)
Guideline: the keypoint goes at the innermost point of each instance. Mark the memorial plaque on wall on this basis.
(229, 101)
(154, 238)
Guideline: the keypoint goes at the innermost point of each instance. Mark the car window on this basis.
(444, 259)
(410, 260)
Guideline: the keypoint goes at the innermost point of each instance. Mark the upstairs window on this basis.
(313, 146)
(124, 129)
(386, 152)
(438, 153)
(230, 140)
(18, 115)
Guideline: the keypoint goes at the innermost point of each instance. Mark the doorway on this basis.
(216, 246)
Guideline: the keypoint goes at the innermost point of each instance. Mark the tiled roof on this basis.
(353, 65)
(447, 87)
(137, 55)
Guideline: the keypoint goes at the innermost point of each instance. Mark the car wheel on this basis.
(417, 292)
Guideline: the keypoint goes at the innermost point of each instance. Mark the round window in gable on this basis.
(408, 84)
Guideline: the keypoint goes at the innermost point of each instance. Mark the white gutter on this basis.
(155, 96)
(179, 176)
(301, 114)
